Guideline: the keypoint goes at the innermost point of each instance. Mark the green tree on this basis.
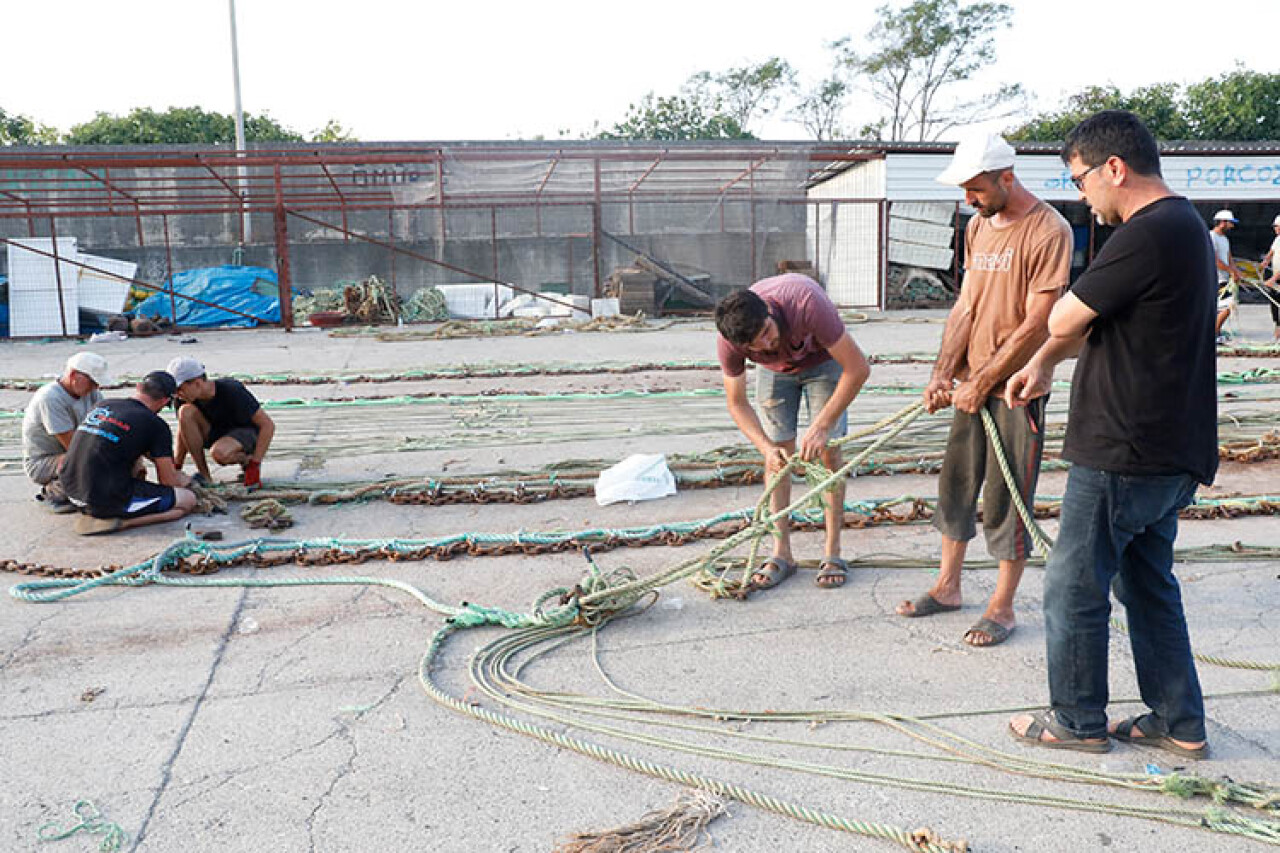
(1160, 106)
(1238, 107)
(927, 48)
(674, 117)
(819, 109)
(20, 130)
(743, 94)
(145, 126)
(331, 132)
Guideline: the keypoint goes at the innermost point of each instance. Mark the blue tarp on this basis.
(4, 308)
(226, 287)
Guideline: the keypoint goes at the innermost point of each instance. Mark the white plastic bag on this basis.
(642, 477)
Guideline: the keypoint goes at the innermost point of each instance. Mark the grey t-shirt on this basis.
(51, 411)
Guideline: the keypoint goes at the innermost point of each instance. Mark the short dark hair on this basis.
(1113, 133)
(157, 385)
(740, 316)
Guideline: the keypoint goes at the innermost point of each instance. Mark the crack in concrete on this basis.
(278, 662)
(221, 780)
(166, 773)
(347, 767)
(26, 640)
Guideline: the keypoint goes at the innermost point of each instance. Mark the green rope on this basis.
(904, 838)
(92, 822)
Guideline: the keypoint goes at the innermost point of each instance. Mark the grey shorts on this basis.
(778, 398)
(43, 470)
(970, 465)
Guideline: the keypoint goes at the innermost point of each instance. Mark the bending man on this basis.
(790, 328)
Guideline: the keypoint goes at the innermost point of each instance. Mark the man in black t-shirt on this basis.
(220, 415)
(99, 471)
(1141, 434)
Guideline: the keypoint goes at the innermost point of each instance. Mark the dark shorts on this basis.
(247, 437)
(147, 499)
(970, 467)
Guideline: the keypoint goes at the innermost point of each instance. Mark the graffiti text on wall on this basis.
(1245, 175)
(390, 176)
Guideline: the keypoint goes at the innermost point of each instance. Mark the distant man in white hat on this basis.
(1017, 263)
(51, 420)
(222, 416)
(1223, 222)
(102, 474)
(1272, 259)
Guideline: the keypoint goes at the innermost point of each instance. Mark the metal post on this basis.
(751, 200)
(168, 266)
(596, 225)
(391, 239)
(57, 277)
(817, 239)
(282, 256)
(493, 243)
(246, 228)
(882, 207)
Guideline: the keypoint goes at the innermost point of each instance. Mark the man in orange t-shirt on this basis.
(1018, 261)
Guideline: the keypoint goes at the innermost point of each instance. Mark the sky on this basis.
(500, 70)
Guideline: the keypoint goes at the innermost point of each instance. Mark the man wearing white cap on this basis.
(51, 420)
(1223, 222)
(1272, 259)
(1017, 263)
(222, 416)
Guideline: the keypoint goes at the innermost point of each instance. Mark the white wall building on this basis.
(884, 221)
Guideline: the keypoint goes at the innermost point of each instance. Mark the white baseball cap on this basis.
(92, 365)
(1275, 223)
(1225, 215)
(184, 369)
(976, 155)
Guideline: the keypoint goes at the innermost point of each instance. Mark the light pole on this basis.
(246, 224)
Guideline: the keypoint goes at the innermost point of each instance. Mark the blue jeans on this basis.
(778, 398)
(1117, 532)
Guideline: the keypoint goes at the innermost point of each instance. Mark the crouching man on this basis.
(99, 472)
(223, 417)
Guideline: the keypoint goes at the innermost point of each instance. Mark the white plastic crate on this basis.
(474, 301)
